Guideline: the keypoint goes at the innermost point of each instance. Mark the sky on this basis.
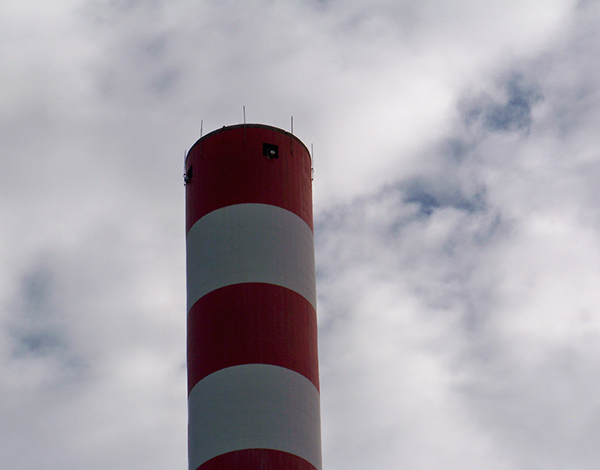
(457, 222)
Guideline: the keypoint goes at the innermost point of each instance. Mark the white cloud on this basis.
(485, 259)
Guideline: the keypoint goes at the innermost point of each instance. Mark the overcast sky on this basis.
(457, 222)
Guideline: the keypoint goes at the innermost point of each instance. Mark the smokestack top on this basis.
(248, 126)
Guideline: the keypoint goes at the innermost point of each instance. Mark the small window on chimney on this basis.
(270, 150)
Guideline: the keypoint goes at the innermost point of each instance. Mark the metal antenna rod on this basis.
(185, 178)
(312, 162)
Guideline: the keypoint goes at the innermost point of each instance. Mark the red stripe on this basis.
(252, 323)
(257, 459)
(228, 167)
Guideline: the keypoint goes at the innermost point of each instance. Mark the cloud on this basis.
(463, 293)
(456, 206)
(94, 361)
(513, 111)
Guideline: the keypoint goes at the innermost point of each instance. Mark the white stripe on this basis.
(254, 406)
(250, 243)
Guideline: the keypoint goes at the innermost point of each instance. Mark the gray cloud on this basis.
(511, 113)
(33, 327)
(467, 286)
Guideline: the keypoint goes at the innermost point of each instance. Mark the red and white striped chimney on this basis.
(253, 378)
